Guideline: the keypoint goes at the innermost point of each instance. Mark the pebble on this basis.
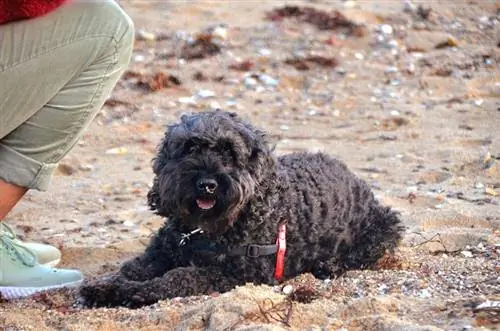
(265, 52)
(349, 4)
(139, 58)
(214, 105)
(490, 191)
(128, 224)
(466, 253)
(386, 29)
(284, 127)
(411, 68)
(268, 80)
(359, 56)
(393, 43)
(250, 82)
(424, 293)
(86, 167)
(391, 69)
(116, 151)
(287, 289)
(187, 100)
(383, 289)
(145, 35)
(479, 185)
(219, 32)
(205, 94)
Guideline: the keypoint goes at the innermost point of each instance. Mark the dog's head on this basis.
(208, 167)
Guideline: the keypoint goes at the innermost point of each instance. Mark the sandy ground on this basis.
(412, 106)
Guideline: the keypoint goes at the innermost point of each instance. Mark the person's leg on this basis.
(10, 194)
(55, 74)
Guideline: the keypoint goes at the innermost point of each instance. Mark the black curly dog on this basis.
(225, 195)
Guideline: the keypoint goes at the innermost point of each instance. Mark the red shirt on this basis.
(12, 10)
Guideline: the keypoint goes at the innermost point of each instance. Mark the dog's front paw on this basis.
(138, 299)
(103, 292)
(115, 291)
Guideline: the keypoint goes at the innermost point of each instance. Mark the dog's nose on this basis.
(207, 185)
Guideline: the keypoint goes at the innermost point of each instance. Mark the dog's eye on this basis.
(225, 150)
(190, 149)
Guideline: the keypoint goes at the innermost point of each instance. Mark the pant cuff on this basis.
(20, 170)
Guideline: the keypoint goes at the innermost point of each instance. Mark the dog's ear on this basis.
(261, 159)
(166, 147)
(154, 196)
(161, 157)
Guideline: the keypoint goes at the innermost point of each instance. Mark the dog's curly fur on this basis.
(333, 221)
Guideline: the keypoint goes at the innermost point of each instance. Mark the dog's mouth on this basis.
(205, 203)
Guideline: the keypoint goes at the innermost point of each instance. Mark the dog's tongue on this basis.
(205, 203)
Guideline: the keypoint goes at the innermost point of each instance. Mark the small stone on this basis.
(128, 224)
(383, 289)
(479, 185)
(268, 80)
(187, 100)
(264, 52)
(86, 167)
(117, 151)
(205, 94)
(284, 127)
(250, 82)
(466, 253)
(214, 105)
(139, 58)
(391, 69)
(144, 35)
(288, 289)
(393, 43)
(490, 191)
(359, 56)
(424, 293)
(386, 29)
(219, 32)
(349, 4)
(479, 102)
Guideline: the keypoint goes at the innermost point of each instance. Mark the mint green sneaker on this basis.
(21, 275)
(46, 254)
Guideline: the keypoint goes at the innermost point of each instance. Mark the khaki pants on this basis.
(56, 71)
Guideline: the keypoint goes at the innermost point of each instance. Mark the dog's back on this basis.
(334, 220)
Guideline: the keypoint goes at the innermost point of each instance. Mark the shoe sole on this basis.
(13, 292)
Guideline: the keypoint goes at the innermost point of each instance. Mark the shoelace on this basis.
(27, 257)
(7, 230)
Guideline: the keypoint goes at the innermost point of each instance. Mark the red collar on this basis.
(280, 255)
